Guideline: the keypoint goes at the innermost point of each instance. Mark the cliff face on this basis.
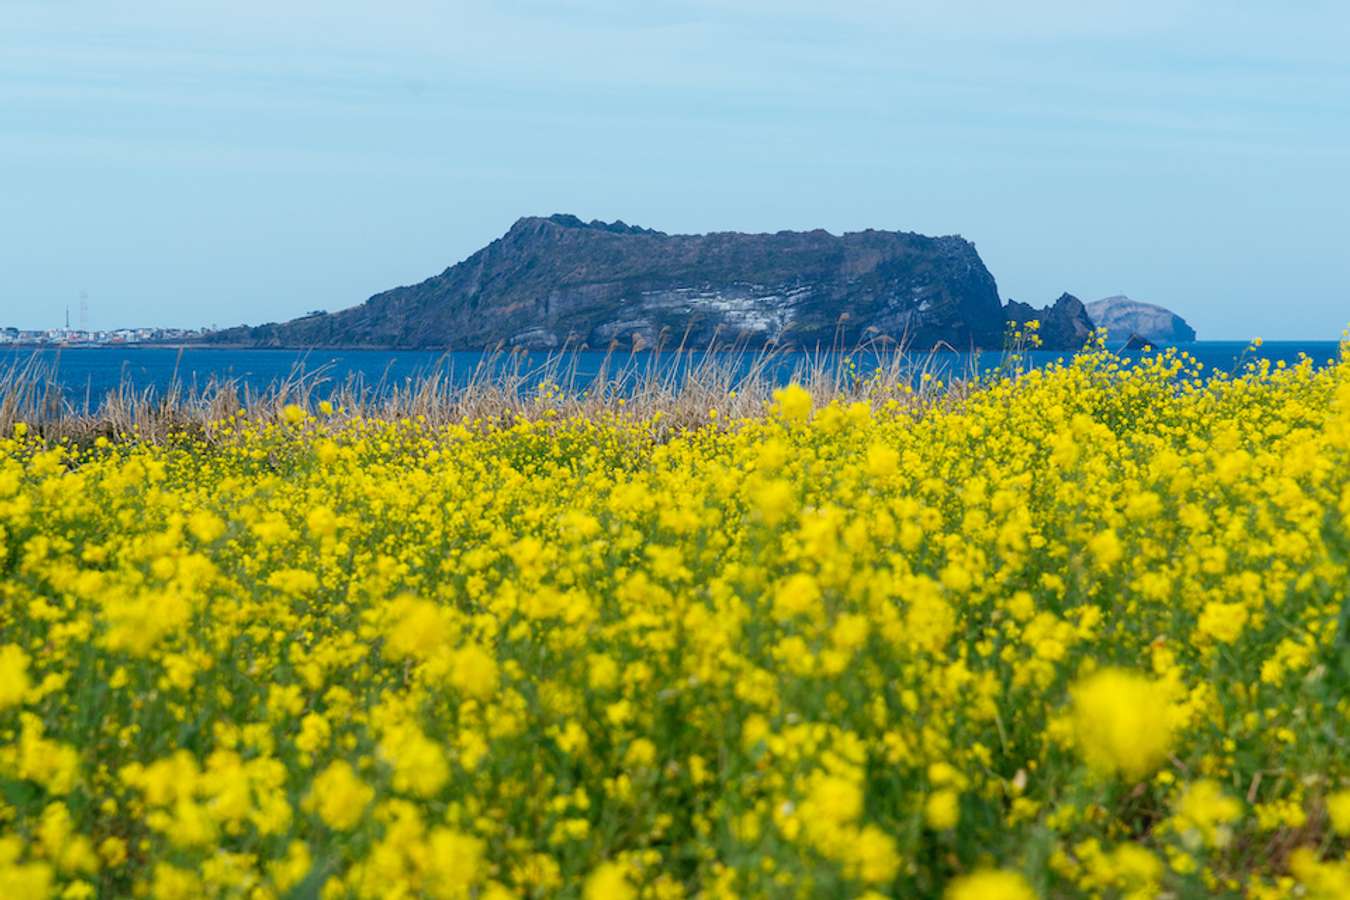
(550, 282)
(1124, 318)
(1065, 325)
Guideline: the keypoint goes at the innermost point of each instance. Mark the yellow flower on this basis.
(990, 884)
(206, 526)
(793, 403)
(608, 881)
(1338, 808)
(798, 595)
(1223, 622)
(71, 852)
(314, 733)
(290, 870)
(113, 850)
(456, 862)
(882, 461)
(295, 582)
(14, 682)
(52, 764)
(773, 501)
(1106, 549)
(942, 810)
(603, 672)
(474, 672)
(836, 799)
(137, 622)
(1204, 812)
(321, 522)
(418, 628)
(1320, 880)
(641, 753)
(1136, 868)
(876, 856)
(340, 797)
(419, 764)
(1121, 723)
(175, 883)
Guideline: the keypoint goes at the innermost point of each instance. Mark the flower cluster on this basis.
(1079, 631)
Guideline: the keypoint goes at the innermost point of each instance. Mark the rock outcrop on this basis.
(1064, 325)
(1123, 318)
(557, 281)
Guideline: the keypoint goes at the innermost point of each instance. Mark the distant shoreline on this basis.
(145, 345)
(395, 348)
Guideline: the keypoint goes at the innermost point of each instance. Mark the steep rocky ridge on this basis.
(555, 281)
(1064, 325)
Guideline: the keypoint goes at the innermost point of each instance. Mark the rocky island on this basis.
(1126, 319)
(557, 281)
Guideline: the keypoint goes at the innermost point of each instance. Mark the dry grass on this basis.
(681, 385)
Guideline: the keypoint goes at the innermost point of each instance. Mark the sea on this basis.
(85, 375)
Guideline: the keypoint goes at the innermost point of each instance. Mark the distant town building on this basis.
(79, 337)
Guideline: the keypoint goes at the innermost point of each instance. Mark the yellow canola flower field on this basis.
(1081, 632)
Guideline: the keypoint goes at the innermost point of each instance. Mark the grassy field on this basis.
(1078, 632)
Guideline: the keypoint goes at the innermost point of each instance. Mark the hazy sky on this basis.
(214, 162)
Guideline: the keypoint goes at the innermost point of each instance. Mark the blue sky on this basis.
(223, 162)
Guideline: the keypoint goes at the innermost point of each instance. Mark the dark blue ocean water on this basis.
(92, 372)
